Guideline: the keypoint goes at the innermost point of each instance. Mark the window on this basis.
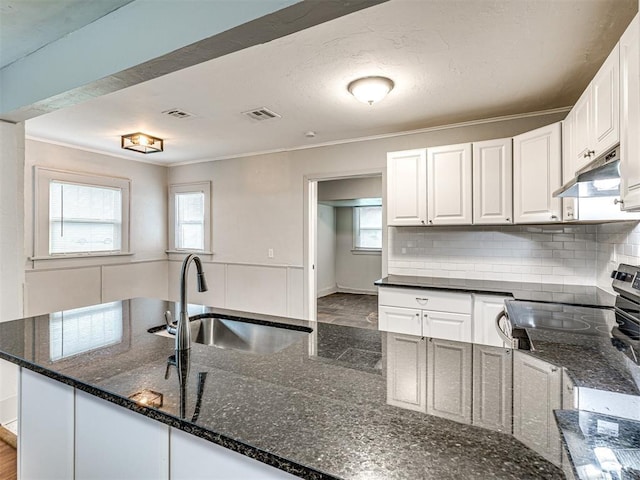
(80, 214)
(189, 211)
(367, 228)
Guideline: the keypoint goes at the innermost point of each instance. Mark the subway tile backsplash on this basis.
(547, 253)
(569, 253)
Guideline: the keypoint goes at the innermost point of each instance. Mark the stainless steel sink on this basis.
(242, 336)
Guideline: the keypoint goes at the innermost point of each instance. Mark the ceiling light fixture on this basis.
(142, 143)
(370, 89)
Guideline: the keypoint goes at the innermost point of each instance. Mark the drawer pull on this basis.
(421, 301)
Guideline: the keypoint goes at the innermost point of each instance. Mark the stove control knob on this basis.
(624, 277)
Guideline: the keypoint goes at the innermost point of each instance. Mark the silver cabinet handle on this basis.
(508, 219)
(554, 369)
(554, 217)
(422, 221)
(618, 201)
(422, 300)
(431, 222)
(589, 153)
(417, 314)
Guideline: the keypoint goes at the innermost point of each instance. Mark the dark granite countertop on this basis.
(539, 292)
(600, 446)
(315, 409)
(579, 339)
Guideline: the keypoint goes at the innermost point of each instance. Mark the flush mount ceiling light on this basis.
(142, 143)
(370, 89)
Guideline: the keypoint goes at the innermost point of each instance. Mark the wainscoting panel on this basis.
(295, 292)
(53, 290)
(144, 279)
(215, 274)
(254, 288)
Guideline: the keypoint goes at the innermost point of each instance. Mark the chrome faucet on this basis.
(183, 332)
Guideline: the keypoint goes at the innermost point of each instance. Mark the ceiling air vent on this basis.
(177, 113)
(262, 113)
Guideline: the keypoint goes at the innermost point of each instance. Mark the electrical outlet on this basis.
(270, 253)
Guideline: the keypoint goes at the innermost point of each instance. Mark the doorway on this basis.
(344, 254)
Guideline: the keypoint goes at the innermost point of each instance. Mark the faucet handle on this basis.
(171, 362)
(168, 319)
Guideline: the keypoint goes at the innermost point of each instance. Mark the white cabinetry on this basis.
(449, 379)
(45, 439)
(485, 310)
(569, 205)
(492, 388)
(449, 185)
(406, 371)
(194, 458)
(428, 313)
(492, 181)
(630, 116)
(536, 175)
(596, 114)
(407, 187)
(537, 392)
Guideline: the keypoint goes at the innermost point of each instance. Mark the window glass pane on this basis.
(84, 218)
(189, 220)
(76, 331)
(368, 228)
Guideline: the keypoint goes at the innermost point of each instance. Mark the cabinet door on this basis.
(449, 185)
(606, 104)
(492, 384)
(485, 310)
(581, 148)
(407, 188)
(113, 442)
(630, 116)
(406, 375)
(493, 181)
(46, 423)
(569, 205)
(445, 325)
(400, 320)
(569, 392)
(449, 379)
(194, 458)
(536, 175)
(536, 394)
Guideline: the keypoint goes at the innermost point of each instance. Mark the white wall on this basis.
(350, 188)
(52, 285)
(326, 263)
(11, 219)
(355, 271)
(257, 201)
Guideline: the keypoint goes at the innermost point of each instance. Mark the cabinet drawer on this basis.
(400, 320)
(435, 300)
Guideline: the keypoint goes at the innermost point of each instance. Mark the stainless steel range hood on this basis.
(600, 178)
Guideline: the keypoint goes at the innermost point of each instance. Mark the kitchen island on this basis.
(314, 409)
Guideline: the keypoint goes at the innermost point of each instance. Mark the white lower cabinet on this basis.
(46, 428)
(445, 325)
(406, 371)
(537, 392)
(400, 320)
(113, 442)
(193, 458)
(492, 388)
(449, 379)
(485, 310)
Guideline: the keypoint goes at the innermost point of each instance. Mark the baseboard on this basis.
(327, 291)
(357, 291)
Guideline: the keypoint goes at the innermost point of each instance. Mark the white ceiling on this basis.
(27, 25)
(451, 61)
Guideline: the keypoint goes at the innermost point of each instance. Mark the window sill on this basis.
(81, 255)
(201, 252)
(363, 251)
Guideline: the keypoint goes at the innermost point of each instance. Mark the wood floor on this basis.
(8, 462)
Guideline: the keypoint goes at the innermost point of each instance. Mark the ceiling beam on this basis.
(145, 40)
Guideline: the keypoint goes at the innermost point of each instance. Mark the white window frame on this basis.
(356, 231)
(195, 187)
(43, 178)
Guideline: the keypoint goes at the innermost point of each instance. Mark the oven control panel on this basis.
(626, 278)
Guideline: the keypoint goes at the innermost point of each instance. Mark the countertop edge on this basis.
(234, 445)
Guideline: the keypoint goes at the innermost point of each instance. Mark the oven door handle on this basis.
(505, 338)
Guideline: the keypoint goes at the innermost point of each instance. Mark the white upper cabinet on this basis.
(630, 116)
(536, 175)
(407, 187)
(596, 114)
(569, 204)
(492, 181)
(449, 185)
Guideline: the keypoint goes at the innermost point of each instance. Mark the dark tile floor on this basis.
(349, 309)
(359, 348)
